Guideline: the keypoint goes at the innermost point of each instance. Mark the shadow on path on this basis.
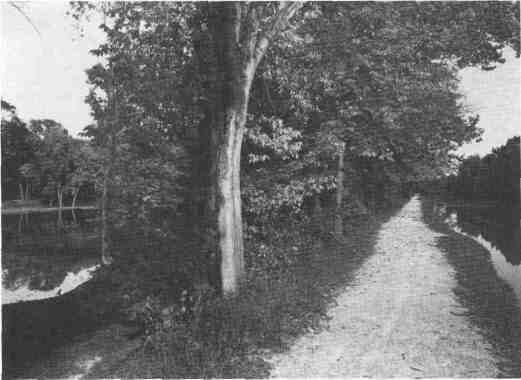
(490, 302)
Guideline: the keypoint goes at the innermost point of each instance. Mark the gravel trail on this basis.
(399, 319)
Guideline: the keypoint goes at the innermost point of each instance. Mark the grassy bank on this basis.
(295, 270)
(491, 303)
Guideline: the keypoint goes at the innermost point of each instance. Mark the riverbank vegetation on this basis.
(220, 129)
(495, 177)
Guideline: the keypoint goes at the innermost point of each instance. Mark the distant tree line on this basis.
(40, 160)
(495, 177)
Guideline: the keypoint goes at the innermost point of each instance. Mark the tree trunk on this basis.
(232, 82)
(21, 189)
(105, 256)
(59, 193)
(228, 203)
(74, 197)
(224, 196)
(27, 192)
(339, 228)
(238, 45)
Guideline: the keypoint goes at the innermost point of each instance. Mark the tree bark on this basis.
(105, 246)
(225, 192)
(235, 68)
(59, 194)
(75, 197)
(339, 228)
(234, 32)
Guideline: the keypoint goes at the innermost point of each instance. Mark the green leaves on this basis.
(385, 73)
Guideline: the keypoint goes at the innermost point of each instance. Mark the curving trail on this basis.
(399, 319)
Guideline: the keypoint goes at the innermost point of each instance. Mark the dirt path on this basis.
(400, 318)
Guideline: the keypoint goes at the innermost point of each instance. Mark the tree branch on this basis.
(284, 14)
(22, 12)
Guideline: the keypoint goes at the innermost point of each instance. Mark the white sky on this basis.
(44, 77)
(495, 96)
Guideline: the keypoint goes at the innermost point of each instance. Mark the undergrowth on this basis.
(295, 270)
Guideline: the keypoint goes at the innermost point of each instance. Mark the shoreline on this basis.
(25, 210)
(491, 302)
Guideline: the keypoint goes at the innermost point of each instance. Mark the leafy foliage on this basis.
(494, 177)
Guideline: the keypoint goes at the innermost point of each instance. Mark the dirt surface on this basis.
(399, 319)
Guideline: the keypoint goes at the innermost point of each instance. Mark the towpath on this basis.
(399, 319)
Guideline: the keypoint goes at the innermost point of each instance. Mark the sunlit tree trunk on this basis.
(233, 79)
(75, 197)
(238, 46)
(227, 195)
(59, 195)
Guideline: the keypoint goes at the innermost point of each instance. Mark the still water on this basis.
(497, 228)
(47, 254)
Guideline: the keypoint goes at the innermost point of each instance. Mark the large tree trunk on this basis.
(228, 201)
(224, 198)
(232, 79)
(234, 33)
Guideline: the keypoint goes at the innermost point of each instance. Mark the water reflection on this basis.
(497, 228)
(46, 254)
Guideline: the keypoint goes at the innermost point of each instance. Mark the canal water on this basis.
(497, 228)
(48, 254)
